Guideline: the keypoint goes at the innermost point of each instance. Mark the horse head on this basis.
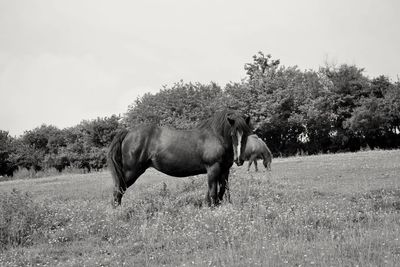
(240, 130)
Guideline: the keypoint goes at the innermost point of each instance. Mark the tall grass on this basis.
(267, 224)
(271, 222)
(24, 173)
(21, 219)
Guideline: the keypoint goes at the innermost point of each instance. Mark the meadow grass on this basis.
(326, 210)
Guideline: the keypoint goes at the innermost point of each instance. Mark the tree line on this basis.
(83, 146)
(336, 108)
(332, 109)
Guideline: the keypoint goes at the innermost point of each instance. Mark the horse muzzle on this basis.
(239, 162)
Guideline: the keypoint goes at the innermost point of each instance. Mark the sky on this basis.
(62, 62)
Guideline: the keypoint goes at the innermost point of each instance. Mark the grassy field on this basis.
(327, 210)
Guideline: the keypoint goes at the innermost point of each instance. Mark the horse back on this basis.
(256, 146)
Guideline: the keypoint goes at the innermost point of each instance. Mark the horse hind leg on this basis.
(248, 167)
(267, 164)
(130, 175)
(255, 165)
(252, 159)
(120, 187)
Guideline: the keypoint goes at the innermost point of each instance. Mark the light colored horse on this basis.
(257, 149)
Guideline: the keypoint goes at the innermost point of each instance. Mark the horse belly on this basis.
(249, 151)
(179, 164)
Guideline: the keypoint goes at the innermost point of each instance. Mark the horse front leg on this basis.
(117, 196)
(224, 186)
(213, 174)
(267, 165)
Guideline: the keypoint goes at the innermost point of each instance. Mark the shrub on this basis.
(20, 218)
(23, 173)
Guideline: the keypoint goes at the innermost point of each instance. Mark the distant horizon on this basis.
(64, 62)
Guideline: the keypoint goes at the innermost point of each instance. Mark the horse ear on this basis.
(248, 120)
(231, 121)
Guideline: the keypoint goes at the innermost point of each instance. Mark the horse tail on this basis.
(268, 152)
(115, 159)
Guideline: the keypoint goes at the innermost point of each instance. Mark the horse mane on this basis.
(219, 123)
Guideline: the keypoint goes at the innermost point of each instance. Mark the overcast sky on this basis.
(65, 61)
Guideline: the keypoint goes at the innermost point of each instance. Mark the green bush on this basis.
(23, 173)
(20, 219)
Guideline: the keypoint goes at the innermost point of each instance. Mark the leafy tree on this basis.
(181, 106)
(7, 166)
(27, 156)
(260, 65)
(253, 95)
(349, 86)
(380, 86)
(392, 105)
(87, 144)
(318, 120)
(5, 141)
(99, 132)
(277, 98)
(46, 138)
(369, 122)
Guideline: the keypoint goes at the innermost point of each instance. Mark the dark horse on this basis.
(257, 149)
(210, 148)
